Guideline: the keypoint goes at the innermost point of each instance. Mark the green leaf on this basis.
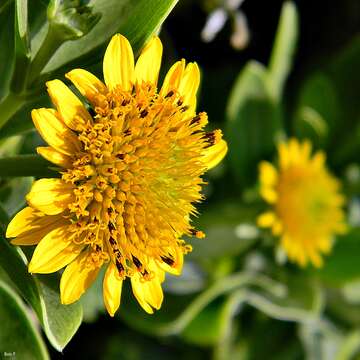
(317, 110)
(26, 165)
(21, 122)
(137, 20)
(60, 322)
(18, 336)
(22, 46)
(254, 122)
(13, 194)
(204, 329)
(12, 262)
(284, 49)
(6, 45)
(341, 266)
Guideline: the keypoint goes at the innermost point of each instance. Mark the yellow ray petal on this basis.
(30, 226)
(70, 108)
(148, 64)
(173, 77)
(54, 251)
(269, 194)
(55, 132)
(149, 293)
(215, 153)
(189, 85)
(268, 174)
(175, 265)
(266, 219)
(51, 196)
(77, 278)
(54, 156)
(118, 65)
(112, 286)
(87, 83)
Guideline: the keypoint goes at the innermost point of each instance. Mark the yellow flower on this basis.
(306, 202)
(131, 160)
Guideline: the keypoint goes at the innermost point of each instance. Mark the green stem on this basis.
(9, 106)
(47, 49)
(26, 165)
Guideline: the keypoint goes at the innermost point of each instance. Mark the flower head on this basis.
(131, 160)
(306, 202)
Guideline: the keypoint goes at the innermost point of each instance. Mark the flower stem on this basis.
(47, 49)
(9, 106)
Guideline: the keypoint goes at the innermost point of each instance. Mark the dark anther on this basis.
(195, 120)
(169, 94)
(184, 108)
(210, 138)
(167, 260)
(193, 232)
(112, 240)
(111, 226)
(137, 262)
(110, 210)
(143, 113)
(120, 156)
(125, 102)
(97, 248)
(127, 132)
(180, 102)
(119, 266)
(144, 273)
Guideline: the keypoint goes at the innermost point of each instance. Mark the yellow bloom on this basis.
(306, 202)
(131, 161)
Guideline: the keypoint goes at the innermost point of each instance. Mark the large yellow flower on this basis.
(306, 202)
(131, 161)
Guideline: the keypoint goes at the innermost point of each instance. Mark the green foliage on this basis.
(20, 339)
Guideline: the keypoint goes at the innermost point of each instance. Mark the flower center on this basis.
(302, 201)
(137, 177)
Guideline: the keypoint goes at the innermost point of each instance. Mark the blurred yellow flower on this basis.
(306, 202)
(131, 160)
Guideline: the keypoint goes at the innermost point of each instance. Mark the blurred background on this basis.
(237, 298)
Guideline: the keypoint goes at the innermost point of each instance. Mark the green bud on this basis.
(70, 19)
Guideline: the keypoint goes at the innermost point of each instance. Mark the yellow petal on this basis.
(51, 196)
(77, 278)
(30, 226)
(148, 64)
(54, 251)
(266, 219)
(70, 108)
(215, 153)
(268, 174)
(269, 194)
(87, 83)
(175, 265)
(173, 77)
(189, 85)
(284, 156)
(118, 65)
(148, 293)
(55, 132)
(112, 286)
(54, 156)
